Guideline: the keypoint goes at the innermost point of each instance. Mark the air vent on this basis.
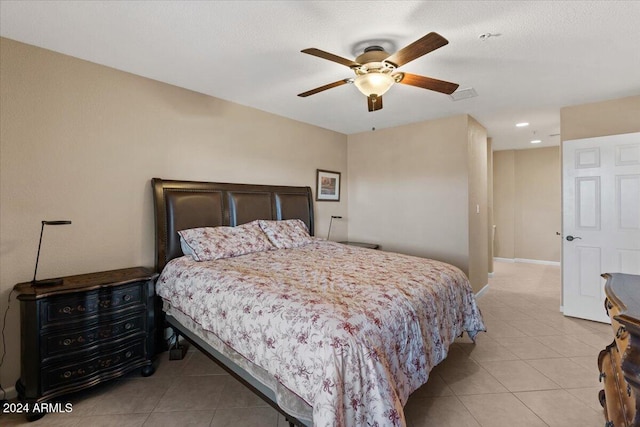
(463, 94)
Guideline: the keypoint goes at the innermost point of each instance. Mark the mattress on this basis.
(351, 332)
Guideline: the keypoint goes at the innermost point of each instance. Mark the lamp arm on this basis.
(38, 256)
(48, 282)
(331, 222)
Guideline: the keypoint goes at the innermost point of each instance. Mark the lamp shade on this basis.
(374, 83)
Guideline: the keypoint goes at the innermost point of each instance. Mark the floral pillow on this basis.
(286, 234)
(186, 249)
(211, 243)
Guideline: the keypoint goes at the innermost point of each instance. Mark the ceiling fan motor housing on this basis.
(373, 57)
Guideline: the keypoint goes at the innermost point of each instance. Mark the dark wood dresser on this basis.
(619, 362)
(91, 328)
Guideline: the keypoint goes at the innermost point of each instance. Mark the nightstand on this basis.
(362, 245)
(91, 328)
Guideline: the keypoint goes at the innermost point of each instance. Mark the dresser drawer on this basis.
(82, 305)
(619, 331)
(93, 368)
(619, 399)
(606, 378)
(79, 339)
(626, 393)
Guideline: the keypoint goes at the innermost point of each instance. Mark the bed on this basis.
(328, 334)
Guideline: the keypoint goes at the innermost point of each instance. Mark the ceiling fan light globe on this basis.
(374, 83)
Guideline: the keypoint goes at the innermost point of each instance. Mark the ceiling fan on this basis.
(376, 72)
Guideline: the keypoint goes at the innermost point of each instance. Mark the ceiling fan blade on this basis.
(428, 83)
(325, 87)
(426, 44)
(331, 57)
(374, 103)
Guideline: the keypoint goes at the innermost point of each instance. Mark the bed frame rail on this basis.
(233, 369)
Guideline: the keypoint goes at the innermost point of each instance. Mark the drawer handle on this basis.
(602, 376)
(621, 330)
(66, 342)
(66, 310)
(628, 390)
(67, 374)
(609, 424)
(128, 354)
(128, 326)
(127, 298)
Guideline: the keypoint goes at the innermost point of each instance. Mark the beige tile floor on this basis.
(534, 367)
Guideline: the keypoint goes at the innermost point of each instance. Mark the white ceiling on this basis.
(548, 55)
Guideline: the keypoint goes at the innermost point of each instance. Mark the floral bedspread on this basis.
(351, 331)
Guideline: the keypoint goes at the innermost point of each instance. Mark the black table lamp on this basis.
(331, 222)
(46, 282)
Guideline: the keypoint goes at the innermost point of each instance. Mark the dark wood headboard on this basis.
(179, 205)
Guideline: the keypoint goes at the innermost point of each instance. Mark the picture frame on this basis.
(327, 186)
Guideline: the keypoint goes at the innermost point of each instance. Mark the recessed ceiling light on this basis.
(536, 141)
(521, 125)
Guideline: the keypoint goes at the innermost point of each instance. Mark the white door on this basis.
(600, 218)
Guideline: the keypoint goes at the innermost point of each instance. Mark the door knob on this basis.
(572, 238)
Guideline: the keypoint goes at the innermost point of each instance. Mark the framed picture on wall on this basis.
(327, 186)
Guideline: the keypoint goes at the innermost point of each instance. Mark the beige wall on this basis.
(478, 202)
(611, 117)
(504, 196)
(410, 191)
(490, 220)
(527, 183)
(527, 203)
(81, 141)
(538, 213)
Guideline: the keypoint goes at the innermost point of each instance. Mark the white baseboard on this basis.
(528, 261)
(504, 259)
(484, 289)
(538, 261)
